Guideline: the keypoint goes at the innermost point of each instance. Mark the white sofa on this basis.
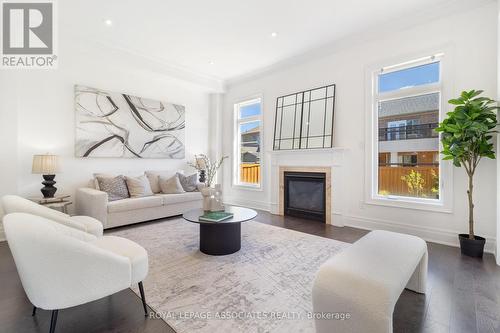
(61, 267)
(365, 281)
(17, 204)
(92, 202)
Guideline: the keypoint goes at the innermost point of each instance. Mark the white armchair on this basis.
(16, 204)
(61, 267)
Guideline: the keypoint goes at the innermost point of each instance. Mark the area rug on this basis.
(265, 287)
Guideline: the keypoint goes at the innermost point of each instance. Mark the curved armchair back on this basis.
(17, 204)
(59, 266)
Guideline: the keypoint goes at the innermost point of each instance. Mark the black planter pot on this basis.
(471, 247)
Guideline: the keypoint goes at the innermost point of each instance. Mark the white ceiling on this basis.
(233, 34)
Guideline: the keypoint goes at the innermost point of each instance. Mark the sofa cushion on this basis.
(189, 183)
(115, 187)
(171, 185)
(169, 199)
(100, 174)
(138, 186)
(134, 203)
(154, 178)
(95, 184)
(126, 248)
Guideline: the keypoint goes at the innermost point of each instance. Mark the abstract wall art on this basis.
(111, 124)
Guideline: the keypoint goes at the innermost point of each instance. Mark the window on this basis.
(406, 111)
(248, 143)
(304, 120)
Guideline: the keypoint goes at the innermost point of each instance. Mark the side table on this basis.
(59, 202)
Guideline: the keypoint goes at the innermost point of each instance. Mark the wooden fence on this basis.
(390, 182)
(250, 173)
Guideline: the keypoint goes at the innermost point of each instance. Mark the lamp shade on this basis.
(201, 163)
(45, 164)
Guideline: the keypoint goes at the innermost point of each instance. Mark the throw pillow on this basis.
(99, 174)
(171, 185)
(154, 178)
(138, 186)
(189, 183)
(115, 187)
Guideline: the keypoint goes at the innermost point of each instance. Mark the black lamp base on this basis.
(202, 178)
(49, 189)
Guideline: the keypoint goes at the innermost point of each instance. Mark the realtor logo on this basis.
(28, 35)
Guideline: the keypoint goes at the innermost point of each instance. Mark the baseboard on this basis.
(2, 234)
(248, 203)
(434, 235)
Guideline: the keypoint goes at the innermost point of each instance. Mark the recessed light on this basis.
(108, 22)
(211, 62)
(274, 34)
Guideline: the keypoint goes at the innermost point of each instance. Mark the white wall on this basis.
(8, 138)
(498, 136)
(44, 112)
(473, 68)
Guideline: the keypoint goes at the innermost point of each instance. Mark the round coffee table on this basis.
(220, 238)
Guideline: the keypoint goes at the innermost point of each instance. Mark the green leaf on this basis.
(457, 101)
(474, 93)
(466, 131)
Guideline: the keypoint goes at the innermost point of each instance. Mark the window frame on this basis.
(443, 87)
(237, 121)
(301, 124)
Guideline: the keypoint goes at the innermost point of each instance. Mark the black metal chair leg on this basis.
(141, 289)
(34, 311)
(53, 321)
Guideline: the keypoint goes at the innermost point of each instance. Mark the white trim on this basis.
(434, 235)
(412, 63)
(445, 202)
(306, 151)
(261, 205)
(235, 162)
(2, 233)
(435, 12)
(430, 234)
(157, 64)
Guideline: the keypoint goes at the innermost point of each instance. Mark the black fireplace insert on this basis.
(305, 195)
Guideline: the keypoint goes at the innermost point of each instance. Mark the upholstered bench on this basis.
(364, 282)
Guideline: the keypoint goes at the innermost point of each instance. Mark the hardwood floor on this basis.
(463, 295)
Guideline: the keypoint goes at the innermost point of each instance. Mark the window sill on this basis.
(249, 187)
(404, 203)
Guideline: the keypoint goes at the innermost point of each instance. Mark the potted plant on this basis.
(212, 197)
(467, 134)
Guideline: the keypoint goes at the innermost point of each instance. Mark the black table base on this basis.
(220, 239)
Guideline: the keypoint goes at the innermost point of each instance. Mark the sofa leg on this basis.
(53, 321)
(34, 311)
(141, 289)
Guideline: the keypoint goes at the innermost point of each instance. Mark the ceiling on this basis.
(226, 39)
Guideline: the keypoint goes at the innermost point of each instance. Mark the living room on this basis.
(321, 136)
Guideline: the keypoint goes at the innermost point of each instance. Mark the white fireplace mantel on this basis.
(327, 157)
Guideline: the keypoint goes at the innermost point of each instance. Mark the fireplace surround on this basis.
(305, 195)
(326, 171)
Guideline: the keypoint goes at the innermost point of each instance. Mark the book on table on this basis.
(215, 216)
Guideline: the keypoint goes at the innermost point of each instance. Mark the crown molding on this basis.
(153, 64)
(450, 8)
(216, 84)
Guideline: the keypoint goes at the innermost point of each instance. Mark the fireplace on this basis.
(305, 194)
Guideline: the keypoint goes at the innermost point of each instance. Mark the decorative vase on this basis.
(217, 204)
(212, 198)
(207, 193)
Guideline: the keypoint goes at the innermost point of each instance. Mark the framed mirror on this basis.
(304, 120)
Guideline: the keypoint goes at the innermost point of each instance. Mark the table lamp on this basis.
(46, 165)
(200, 162)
